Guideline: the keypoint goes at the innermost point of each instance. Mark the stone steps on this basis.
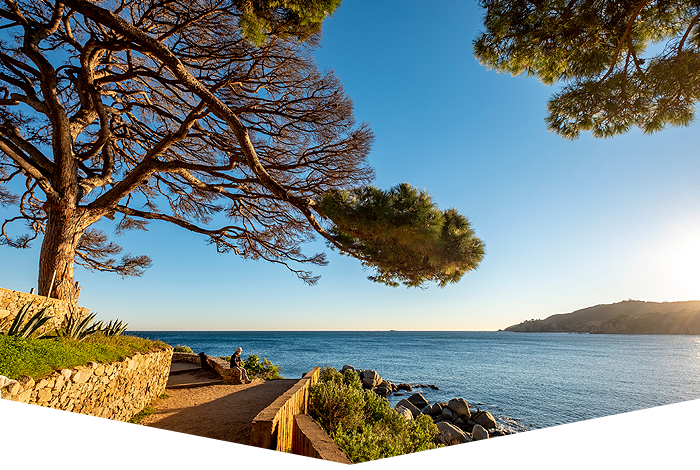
(185, 371)
(189, 375)
(194, 384)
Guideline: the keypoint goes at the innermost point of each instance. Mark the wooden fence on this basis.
(309, 439)
(273, 427)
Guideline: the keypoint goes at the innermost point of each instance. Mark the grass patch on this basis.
(38, 358)
(138, 417)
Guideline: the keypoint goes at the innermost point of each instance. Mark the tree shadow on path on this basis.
(223, 412)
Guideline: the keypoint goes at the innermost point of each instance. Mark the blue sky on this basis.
(567, 224)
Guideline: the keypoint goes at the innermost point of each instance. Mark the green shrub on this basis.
(334, 404)
(363, 424)
(261, 369)
(39, 357)
(256, 368)
(184, 349)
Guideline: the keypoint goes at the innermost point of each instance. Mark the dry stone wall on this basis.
(221, 367)
(11, 301)
(116, 390)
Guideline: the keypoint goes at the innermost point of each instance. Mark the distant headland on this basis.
(626, 317)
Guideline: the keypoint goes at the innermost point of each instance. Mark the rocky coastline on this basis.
(456, 421)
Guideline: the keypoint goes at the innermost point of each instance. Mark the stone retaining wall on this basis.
(192, 358)
(11, 301)
(115, 390)
(310, 440)
(221, 367)
(272, 428)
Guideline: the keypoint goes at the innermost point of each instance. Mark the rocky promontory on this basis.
(627, 317)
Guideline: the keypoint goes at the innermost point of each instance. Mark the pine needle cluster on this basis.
(403, 235)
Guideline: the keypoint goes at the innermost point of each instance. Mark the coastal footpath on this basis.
(626, 317)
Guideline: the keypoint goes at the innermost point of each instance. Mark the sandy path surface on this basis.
(223, 412)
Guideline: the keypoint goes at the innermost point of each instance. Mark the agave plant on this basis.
(78, 328)
(114, 328)
(30, 328)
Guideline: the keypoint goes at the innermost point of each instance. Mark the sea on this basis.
(526, 380)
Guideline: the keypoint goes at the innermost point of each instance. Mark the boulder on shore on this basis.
(370, 378)
(485, 419)
(451, 434)
(433, 410)
(479, 433)
(410, 406)
(447, 414)
(460, 407)
(418, 400)
(383, 389)
(405, 412)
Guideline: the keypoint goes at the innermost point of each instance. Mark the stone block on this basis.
(451, 434)
(82, 375)
(433, 410)
(448, 414)
(26, 382)
(460, 407)
(479, 433)
(14, 389)
(58, 385)
(485, 419)
(405, 412)
(409, 406)
(418, 400)
(370, 378)
(25, 396)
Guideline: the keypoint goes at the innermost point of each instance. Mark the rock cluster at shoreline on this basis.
(371, 380)
(456, 421)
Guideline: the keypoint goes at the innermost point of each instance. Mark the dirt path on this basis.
(223, 412)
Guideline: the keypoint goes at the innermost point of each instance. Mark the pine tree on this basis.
(402, 235)
(622, 63)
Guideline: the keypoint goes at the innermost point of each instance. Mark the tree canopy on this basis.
(207, 114)
(622, 63)
(402, 235)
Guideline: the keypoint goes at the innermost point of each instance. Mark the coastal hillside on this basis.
(626, 317)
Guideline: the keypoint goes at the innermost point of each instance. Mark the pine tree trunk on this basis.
(57, 258)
